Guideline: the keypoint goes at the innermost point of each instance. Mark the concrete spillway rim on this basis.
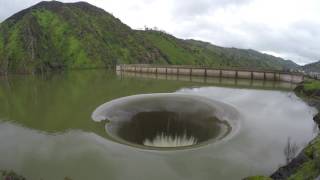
(98, 115)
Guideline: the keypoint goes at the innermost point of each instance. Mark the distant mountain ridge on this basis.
(53, 35)
(312, 67)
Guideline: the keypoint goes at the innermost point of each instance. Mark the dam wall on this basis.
(213, 72)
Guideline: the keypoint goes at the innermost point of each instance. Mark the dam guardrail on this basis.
(213, 72)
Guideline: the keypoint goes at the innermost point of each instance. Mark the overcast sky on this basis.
(285, 28)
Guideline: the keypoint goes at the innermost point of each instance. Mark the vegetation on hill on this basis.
(312, 67)
(242, 57)
(55, 35)
(179, 51)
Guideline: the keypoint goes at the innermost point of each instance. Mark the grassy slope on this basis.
(54, 35)
(180, 51)
(69, 36)
(241, 57)
(312, 85)
(311, 168)
(171, 47)
(309, 89)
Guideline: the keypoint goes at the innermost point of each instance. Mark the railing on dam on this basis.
(213, 72)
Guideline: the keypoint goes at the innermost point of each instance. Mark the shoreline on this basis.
(306, 165)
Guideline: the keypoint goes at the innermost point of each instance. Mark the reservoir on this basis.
(97, 124)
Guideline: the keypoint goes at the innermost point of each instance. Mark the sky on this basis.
(285, 28)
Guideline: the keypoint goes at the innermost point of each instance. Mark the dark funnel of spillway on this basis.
(166, 121)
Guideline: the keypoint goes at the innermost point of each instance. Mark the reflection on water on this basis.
(47, 132)
(291, 150)
(235, 82)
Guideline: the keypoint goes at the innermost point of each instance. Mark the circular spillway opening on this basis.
(169, 129)
(167, 120)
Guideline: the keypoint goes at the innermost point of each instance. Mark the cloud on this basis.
(187, 9)
(8, 8)
(286, 28)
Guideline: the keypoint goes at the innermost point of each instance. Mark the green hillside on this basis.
(241, 57)
(54, 35)
(312, 67)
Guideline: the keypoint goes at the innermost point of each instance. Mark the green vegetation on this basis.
(179, 51)
(307, 170)
(1, 44)
(14, 49)
(173, 48)
(240, 58)
(312, 85)
(311, 168)
(257, 178)
(54, 35)
(309, 88)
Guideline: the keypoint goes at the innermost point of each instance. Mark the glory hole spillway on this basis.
(95, 124)
(167, 120)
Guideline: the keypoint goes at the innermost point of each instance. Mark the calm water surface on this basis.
(46, 129)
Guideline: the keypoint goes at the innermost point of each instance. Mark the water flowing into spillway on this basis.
(167, 120)
(164, 140)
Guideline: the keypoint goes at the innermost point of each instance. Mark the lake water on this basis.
(47, 130)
